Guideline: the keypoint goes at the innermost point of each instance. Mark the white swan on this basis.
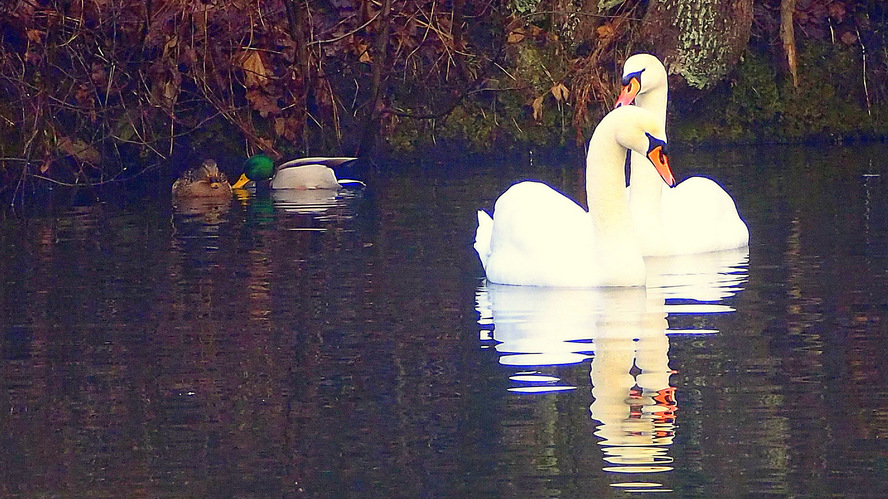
(697, 215)
(539, 237)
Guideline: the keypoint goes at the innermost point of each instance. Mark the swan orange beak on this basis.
(657, 155)
(631, 87)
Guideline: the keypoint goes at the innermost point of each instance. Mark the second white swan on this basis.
(696, 216)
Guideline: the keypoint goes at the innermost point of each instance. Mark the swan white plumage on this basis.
(539, 237)
(697, 215)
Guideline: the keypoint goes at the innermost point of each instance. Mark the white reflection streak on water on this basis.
(623, 331)
(313, 210)
(311, 202)
(314, 202)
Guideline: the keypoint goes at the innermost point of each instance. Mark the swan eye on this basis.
(633, 76)
(661, 153)
(631, 87)
(657, 156)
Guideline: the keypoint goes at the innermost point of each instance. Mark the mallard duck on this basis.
(302, 173)
(205, 181)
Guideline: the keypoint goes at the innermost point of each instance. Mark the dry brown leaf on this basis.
(262, 102)
(849, 38)
(560, 92)
(32, 57)
(836, 10)
(170, 93)
(514, 23)
(362, 50)
(98, 74)
(170, 45)
(35, 35)
(605, 31)
(279, 126)
(537, 106)
(515, 37)
(80, 150)
(255, 73)
(291, 128)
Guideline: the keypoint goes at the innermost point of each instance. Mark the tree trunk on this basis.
(787, 36)
(297, 18)
(701, 40)
(371, 121)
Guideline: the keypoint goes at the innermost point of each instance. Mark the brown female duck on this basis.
(205, 181)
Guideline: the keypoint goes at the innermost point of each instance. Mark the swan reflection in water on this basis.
(624, 332)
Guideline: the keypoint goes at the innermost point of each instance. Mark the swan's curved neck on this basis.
(605, 185)
(640, 177)
(654, 100)
(645, 183)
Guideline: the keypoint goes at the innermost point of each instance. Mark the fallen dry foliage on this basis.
(91, 87)
(96, 91)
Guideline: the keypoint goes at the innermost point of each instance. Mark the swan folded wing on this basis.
(540, 237)
(702, 217)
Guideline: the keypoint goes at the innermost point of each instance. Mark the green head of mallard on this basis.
(257, 168)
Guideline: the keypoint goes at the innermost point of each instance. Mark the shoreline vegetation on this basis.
(97, 92)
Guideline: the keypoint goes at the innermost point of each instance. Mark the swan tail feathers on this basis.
(483, 235)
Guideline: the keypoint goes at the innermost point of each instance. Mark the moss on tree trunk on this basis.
(700, 40)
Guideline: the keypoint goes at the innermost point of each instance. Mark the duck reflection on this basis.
(624, 333)
(206, 211)
(197, 226)
(315, 209)
(306, 202)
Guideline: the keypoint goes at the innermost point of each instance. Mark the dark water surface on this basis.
(349, 347)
